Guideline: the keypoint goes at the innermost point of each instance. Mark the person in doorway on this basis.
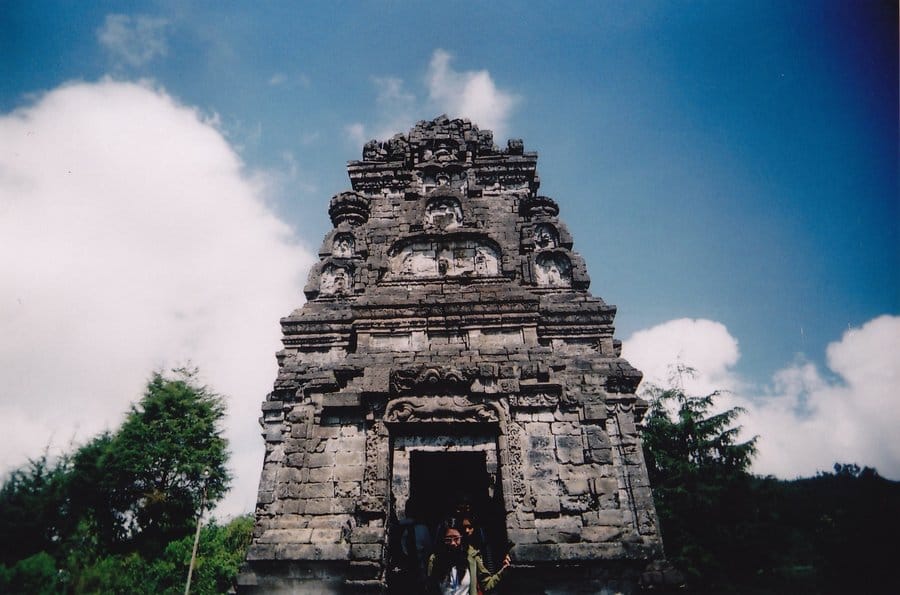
(477, 540)
(456, 569)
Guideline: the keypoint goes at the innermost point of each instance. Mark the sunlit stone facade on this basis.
(449, 348)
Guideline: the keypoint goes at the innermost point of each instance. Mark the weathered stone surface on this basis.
(448, 328)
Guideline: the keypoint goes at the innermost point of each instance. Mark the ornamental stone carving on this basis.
(536, 206)
(432, 380)
(445, 257)
(546, 236)
(349, 207)
(343, 245)
(335, 280)
(443, 212)
(553, 270)
(440, 409)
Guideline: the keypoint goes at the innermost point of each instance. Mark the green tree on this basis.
(221, 553)
(732, 532)
(698, 470)
(119, 514)
(34, 509)
(152, 473)
(35, 574)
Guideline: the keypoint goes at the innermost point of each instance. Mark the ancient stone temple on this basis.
(449, 352)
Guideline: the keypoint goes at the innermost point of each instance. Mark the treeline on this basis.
(729, 531)
(118, 514)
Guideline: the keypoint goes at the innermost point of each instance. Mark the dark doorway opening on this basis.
(445, 485)
(440, 482)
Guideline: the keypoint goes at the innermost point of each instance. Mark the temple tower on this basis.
(449, 349)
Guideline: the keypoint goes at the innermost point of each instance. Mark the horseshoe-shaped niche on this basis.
(444, 256)
(546, 236)
(443, 212)
(552, 269)
(343, 245)
(336, 279)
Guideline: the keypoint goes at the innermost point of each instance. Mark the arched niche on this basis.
(442, 176)
(343, 245)
(546, 236)
(443, 212)
(552, 269)
(335, 280)
(429, 258)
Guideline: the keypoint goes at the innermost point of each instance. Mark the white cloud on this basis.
(277, 79)
(134, 239)
(805, 420)
(395, 112)
(356, 133)
(469, 94)
(704, 345)
(134, 40)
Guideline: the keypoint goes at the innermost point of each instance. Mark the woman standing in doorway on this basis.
(457, 569)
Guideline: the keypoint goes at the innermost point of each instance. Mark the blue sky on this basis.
(730, 162)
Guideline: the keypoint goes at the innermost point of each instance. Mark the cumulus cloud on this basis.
(356, 133)
(469, 94)
(806, 420)
(134, 240)
(460, 94)
(704, 345)
(133, 40)
(396, 110)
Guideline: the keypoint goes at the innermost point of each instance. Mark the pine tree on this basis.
(698, 470)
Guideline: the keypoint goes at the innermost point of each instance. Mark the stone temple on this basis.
(449, 350)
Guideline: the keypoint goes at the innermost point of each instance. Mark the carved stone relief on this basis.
(343, 245)
(440, 155)
(515, 463)
(444, 212)
(440, 409)
(375, 473)
(546, 235)
(537, 400)
(553, 270)
(445, 258)
(444, 178)
(335, 280)
(432, 380)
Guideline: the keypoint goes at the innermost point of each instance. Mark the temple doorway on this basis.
(431, 483)
(441, 482)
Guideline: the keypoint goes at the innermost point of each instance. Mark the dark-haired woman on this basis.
(456, 569)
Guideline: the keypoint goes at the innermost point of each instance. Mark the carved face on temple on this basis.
(444, 213)
(343, 245)
(553, 270)
(546, 236)
(335, 280)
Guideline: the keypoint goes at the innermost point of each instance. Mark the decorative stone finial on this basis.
(536, 206)
(350, 207)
